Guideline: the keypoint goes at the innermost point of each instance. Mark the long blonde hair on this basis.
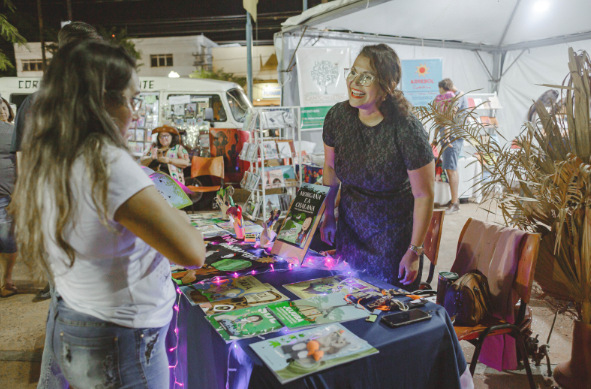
(69, 120)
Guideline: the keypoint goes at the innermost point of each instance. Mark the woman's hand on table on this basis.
(328, 229)
(409, 268)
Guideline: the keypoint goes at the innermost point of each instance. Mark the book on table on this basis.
(300, 223)
(244, 323)
(295, 355)
(313, 311)
(328, 285)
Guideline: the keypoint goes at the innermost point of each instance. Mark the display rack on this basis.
(486, 103)
(269, 126)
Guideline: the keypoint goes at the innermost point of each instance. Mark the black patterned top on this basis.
(376, 208)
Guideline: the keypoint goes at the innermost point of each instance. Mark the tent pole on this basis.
(249, 55)
(509, 23)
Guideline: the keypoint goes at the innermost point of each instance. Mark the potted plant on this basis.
(544, 185)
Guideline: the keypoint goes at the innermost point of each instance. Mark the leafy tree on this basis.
(219, 75)
(120, 37)
(9, 34)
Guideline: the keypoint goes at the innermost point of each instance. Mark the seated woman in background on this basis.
(6, 113)
(167, 154)
(80, 206)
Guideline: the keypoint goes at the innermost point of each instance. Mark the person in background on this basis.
(167, 154)
(379, 154)
(88, 227)
(6, 114)
(452, 147)
(72, 32)
(7, 179)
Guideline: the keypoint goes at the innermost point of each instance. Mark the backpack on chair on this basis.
(468, 299)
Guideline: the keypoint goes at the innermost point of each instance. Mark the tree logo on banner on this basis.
(325, 73)
(422, 70)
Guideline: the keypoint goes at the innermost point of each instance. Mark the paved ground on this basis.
(22, 325)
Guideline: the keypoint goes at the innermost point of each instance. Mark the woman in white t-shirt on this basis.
(80, 206)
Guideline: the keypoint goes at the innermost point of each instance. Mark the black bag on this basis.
(468, 299)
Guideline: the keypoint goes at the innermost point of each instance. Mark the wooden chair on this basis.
(213, 167)
(431, 245)
(527, 257)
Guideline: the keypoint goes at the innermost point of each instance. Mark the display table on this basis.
(421, 355)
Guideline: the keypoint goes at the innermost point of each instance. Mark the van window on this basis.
(184, 107)
(239, 104)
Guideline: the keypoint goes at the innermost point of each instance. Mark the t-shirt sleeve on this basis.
(414, 144)
(328, 130)
(127, 179)
(19, 124)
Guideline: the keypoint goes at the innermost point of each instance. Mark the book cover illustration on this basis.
(331, 308)
(303, 214)
(244, 323)
(271, 203)
(271, 295)
(216, 290)
(284, 149)
(270, 149)
(328, 285)
(274, 178)
(299, 354)
(170, 189)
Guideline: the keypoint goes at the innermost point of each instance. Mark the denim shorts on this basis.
(7, 242)
(92, 353)
(450, 155)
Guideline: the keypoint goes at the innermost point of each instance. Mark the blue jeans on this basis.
(7, 242)
(91, 353)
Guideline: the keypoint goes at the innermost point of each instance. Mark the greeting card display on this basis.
(296, 355)
(317, 310)
(244, 323)
(303, 217)
(270, 149)
(328, 285)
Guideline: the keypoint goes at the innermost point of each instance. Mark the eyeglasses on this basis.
(365, 79)
(136, 104)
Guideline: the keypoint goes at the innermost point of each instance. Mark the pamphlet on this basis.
(169, 188)
(271, 295)
(299, 354)
(223, 289)
(317, 310)
(244, 323)
(328, 285)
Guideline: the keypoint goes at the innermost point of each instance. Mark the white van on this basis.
(166, 95)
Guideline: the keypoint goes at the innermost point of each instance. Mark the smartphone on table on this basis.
(400, 319)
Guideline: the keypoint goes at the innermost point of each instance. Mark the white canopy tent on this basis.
(508, 46)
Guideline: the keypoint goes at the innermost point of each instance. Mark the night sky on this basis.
(219, 20)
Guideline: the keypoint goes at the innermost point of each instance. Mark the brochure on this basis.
(317, 310)
(170, 189)
(296, 355)
(328, 285)
(244, 323)
(271, 295)
(224, 289)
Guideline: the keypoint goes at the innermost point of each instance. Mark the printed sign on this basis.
(321, 81)
(420, 79)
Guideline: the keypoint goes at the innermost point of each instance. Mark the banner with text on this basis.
(321, 81)
(420, 79)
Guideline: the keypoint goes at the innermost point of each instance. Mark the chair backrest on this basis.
(433, 237)
(201, 166)
(526, 267)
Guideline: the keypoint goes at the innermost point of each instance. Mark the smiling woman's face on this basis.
(364, 97)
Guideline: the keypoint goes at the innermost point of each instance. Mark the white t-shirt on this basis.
(116, 277)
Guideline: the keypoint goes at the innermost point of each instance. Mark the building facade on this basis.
(159, 56)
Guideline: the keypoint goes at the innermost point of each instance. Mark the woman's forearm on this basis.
(179, 162)
(146, 160)
(330, 179)
(423, 211)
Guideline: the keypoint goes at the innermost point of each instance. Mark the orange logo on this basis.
(422, 70)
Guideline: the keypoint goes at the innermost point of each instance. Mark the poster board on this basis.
(420, 79)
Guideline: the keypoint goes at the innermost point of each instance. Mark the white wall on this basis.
(181, 48)
(31, 51)
(522, 82)
(233, 60)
